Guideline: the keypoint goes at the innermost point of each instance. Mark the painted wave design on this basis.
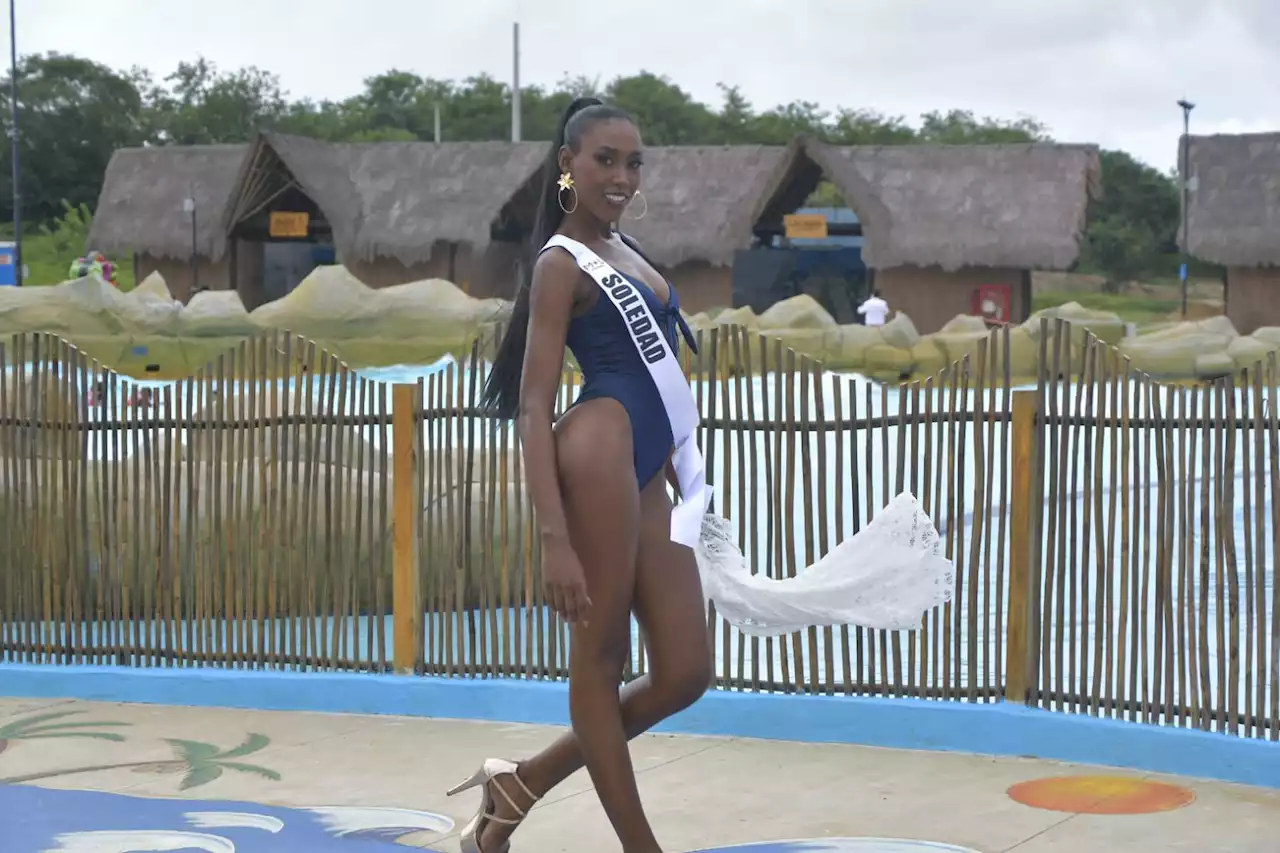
(227, 820)
(843, 845)
(385, 823)
(42, 820)
(139, 841)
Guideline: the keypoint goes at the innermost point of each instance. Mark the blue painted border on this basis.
(994, 729)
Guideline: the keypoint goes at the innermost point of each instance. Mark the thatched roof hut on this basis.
(140, 208)
(404, 197)
(701, 200)
(394, 200)
(320, 169)
(1233, 210)
(952, 206)
(390, 205)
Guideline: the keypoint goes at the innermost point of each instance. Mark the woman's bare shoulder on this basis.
(557, 270)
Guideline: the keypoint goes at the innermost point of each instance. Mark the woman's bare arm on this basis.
(551, 300)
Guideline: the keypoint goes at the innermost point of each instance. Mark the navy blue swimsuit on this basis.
(611, 367)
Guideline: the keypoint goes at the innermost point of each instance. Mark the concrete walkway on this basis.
(267, 782)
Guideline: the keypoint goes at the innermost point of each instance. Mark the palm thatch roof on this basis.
(1233, 204)
(140, 206)
(322, 171)
(700, 202)
(1005, 205)
(414, 194)
(383, 199)
(1019, 206)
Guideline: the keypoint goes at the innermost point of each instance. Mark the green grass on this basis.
(49, 248)
(1129, 307)
(48, 262)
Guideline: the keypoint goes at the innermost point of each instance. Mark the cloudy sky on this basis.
(1105, 71)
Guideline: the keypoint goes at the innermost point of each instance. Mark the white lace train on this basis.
(888, 575)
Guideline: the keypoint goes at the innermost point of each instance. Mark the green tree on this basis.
(668, 114)
(1120, 250)
(67, 234)
(203, 106)
(868, 127)
(735, 121)
(329, 120)
(73, 114)
(960, 127)
(1132, 227)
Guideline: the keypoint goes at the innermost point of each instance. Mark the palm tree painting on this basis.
(203, 762)
(198, 762)
(43, 726)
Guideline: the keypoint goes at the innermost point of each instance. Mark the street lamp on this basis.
(13, 133)
(189, 206)
(1185, 170)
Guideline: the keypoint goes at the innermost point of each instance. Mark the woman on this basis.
(597, 484)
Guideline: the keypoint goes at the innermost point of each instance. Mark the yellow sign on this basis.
(805, 225)
(289, 224)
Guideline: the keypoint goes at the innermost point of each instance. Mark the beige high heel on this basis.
(469, 840)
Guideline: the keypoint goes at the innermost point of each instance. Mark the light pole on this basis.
(515, 82)
(13, 133)
(189, 206)
(1185, 171)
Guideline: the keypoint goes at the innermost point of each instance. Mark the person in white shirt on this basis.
(875, 310)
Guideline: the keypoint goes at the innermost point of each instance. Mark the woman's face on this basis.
(606, 168)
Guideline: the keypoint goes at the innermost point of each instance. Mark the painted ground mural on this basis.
(43, 820)
(1102, 795)
(49, 820)
(845, 845)
(198, 763)
(40, 820)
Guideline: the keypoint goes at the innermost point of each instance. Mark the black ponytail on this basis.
(501, 395)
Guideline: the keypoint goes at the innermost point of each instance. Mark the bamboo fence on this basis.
(1114, 538)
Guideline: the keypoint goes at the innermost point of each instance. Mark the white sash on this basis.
(677, 396)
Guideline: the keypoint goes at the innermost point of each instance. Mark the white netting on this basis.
(888, 575)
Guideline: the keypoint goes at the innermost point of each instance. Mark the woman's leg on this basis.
(602, 508)
(669, 605)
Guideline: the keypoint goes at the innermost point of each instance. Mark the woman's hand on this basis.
(564, 581)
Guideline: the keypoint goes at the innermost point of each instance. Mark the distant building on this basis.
(1233, 219)
(400, 211)
(391, 212)
(698, 210)
(938, 229)
(946, 228)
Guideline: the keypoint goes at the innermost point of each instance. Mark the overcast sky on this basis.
(1104, 71)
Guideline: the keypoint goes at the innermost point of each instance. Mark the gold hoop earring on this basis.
(646, 205)
(566, 183)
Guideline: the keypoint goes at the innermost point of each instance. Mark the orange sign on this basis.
(286, 223)
(805, 225)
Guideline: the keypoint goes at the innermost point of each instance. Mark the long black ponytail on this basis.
(501, 396)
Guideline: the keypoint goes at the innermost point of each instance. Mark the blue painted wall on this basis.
(995, 729)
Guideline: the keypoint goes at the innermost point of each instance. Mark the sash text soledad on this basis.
(637, 317)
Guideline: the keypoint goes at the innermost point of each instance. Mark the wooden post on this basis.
(1024, 527)
(406, 594)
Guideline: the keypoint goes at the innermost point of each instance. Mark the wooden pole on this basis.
(406, 593)
(1024, 527)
